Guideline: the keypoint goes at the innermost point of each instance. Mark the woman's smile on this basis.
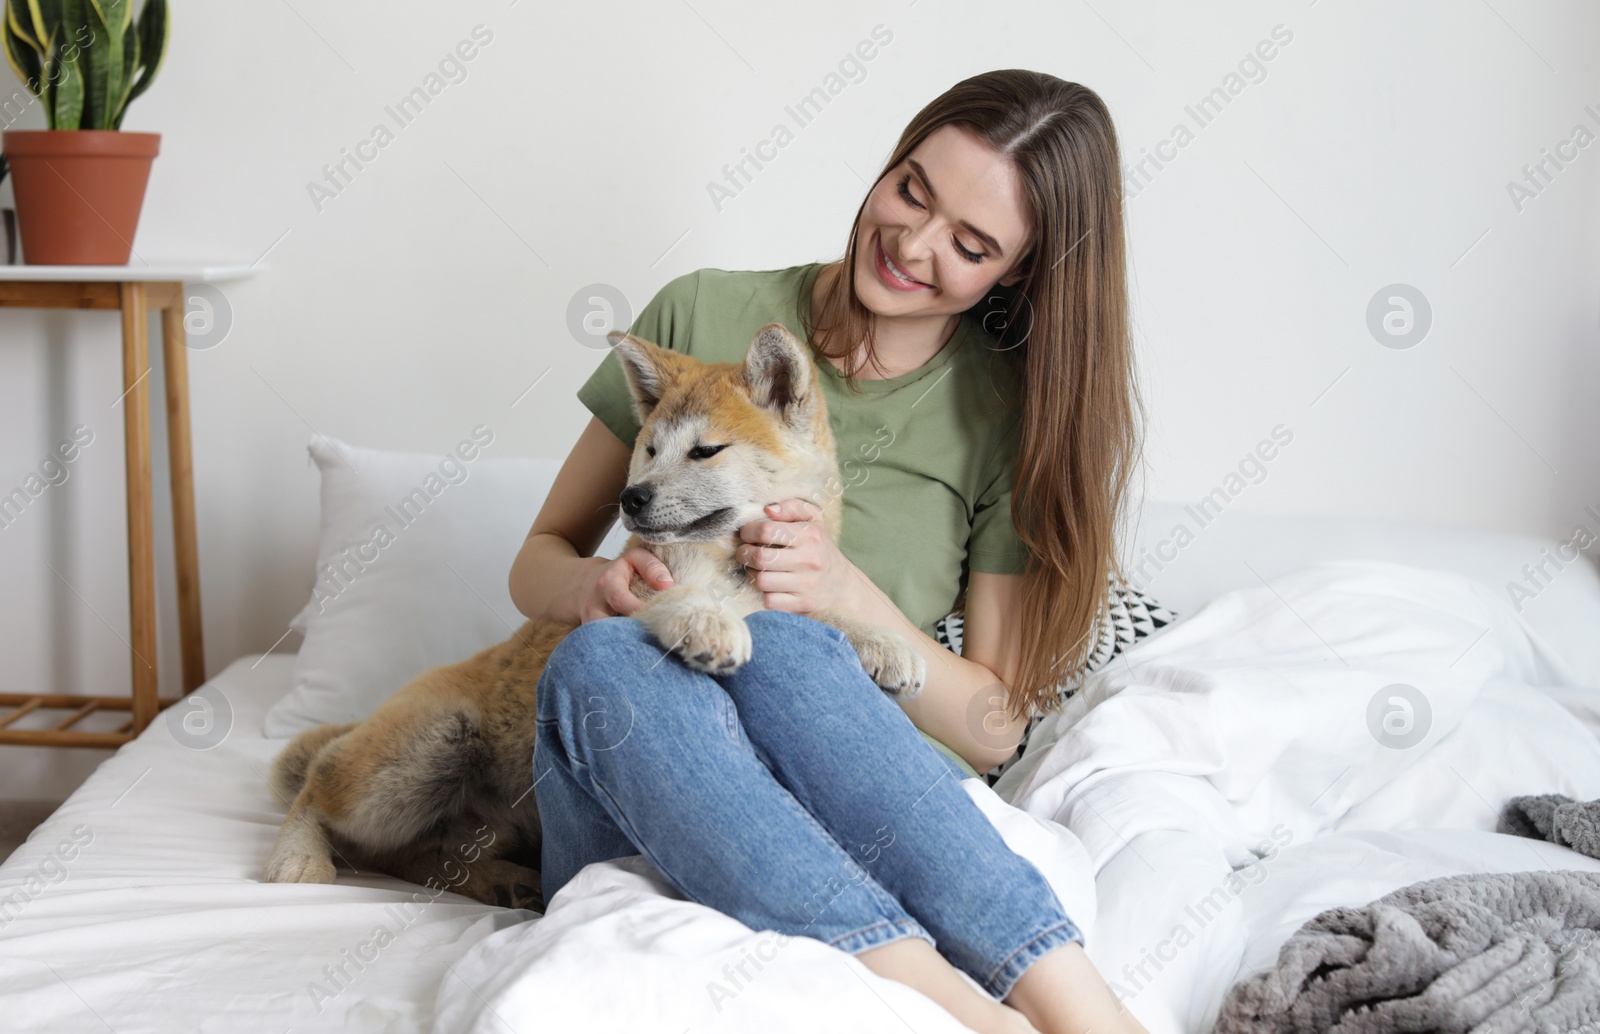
(892, 275)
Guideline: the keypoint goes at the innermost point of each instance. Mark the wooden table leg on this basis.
(175, 351)
(141, 524)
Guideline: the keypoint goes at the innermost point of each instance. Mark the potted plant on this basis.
(80, 184)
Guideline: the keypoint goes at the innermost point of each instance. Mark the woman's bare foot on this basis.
(1062, 993)
(917, 964)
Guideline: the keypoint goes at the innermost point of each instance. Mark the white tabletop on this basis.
(183, 272)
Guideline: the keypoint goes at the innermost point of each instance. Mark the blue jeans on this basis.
(793, 795)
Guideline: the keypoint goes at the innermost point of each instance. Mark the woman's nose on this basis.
(913, 246)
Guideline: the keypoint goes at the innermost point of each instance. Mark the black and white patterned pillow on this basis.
(1133, 615)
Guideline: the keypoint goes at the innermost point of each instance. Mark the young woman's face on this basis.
(941, 228)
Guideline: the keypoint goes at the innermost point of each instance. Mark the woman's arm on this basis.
(556, 576)
(963, 703)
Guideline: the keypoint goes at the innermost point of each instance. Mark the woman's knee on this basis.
(797, 631)
(593, 687)
(788, 647)
(594, 641)
(586, 659)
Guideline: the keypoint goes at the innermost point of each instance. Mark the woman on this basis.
(973, 348)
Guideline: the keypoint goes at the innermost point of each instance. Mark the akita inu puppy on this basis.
(434, 786)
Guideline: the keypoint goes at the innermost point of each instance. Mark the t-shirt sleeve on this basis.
(665, 321)
(994, 546)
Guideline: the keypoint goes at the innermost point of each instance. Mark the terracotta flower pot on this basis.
(79, 192)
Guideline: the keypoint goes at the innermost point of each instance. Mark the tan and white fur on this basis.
(435, 785)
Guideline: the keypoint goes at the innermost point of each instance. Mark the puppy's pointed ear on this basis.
(778, 372)
(647, 366)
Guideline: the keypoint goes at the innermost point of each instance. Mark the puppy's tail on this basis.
(289, 768)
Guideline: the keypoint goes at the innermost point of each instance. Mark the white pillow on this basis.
(412, 568)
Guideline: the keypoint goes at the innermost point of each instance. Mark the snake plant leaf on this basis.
(74, 34)
(47, 85)
(89, 53)
(28, 46)
(116, 14)
(130, 63)
(67, 108)
(47, 28)
(20, 27)
(154, 28)
(24, 60)
(106, 58)
(19, 20)
(37, 25)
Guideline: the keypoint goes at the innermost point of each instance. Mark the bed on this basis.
(1202, 780)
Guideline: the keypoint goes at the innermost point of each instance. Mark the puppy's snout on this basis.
(635, 498)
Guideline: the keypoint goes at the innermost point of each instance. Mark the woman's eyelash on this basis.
(905, 195)
(905, 192)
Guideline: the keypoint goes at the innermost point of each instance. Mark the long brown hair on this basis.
(1066, 321)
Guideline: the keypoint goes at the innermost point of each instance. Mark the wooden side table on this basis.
(135, 292)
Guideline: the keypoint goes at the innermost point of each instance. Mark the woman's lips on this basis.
(890, 279)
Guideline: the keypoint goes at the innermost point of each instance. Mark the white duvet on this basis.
(1319, 741)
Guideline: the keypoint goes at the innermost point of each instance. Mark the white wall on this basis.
(430, 293)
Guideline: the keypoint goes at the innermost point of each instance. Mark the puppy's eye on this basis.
(705, 452)
(649, 450)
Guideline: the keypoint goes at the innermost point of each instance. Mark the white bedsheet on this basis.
(160, 924)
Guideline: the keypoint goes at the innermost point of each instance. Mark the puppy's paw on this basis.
(714, 641)
(890, 661)
(705, 633)
(506, 884)
(299, 867)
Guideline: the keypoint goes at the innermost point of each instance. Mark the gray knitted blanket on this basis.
(1485, 953)
(1554, 817)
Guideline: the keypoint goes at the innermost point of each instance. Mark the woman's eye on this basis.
(905, 192)
(905, 195)
(650, 450)
(705, 452)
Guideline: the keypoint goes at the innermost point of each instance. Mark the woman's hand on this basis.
(794, 562)
(610, 593)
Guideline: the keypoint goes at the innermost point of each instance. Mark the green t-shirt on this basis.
(926, 458)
